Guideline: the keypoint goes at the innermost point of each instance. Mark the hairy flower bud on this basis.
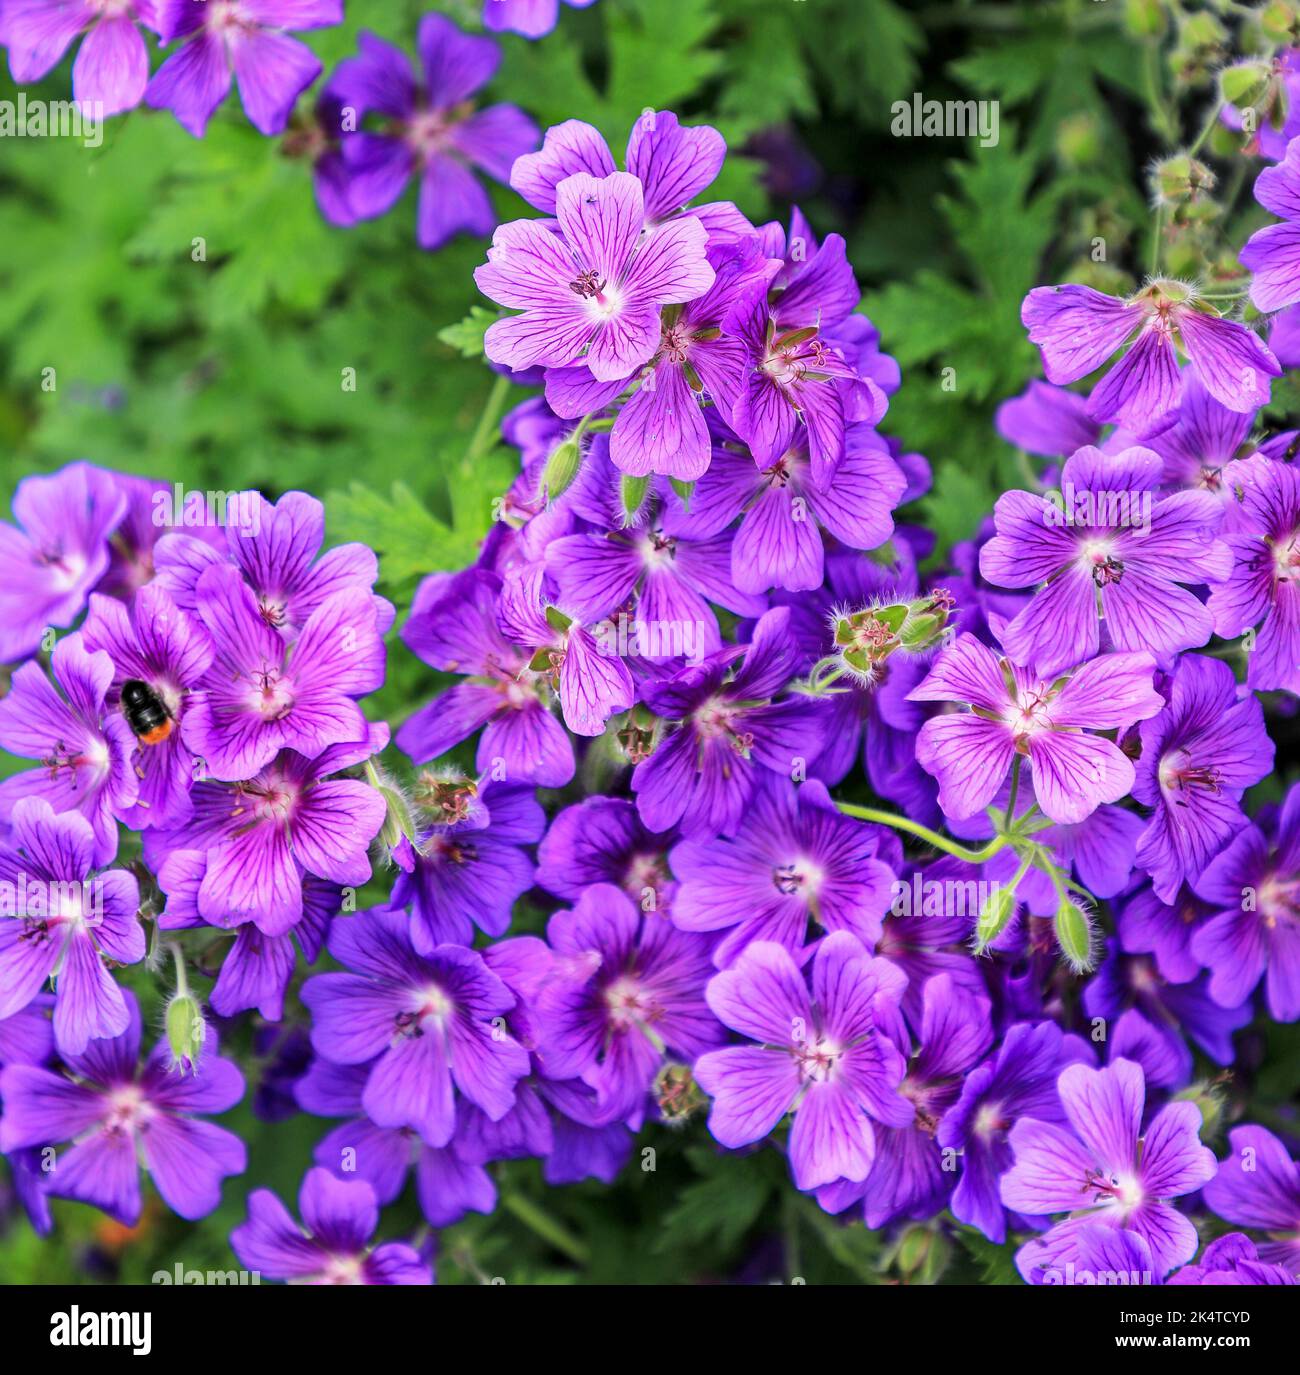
(186, 1030)
(1181, 179)
(1074, 935)
(561, 468)
(677, 1093)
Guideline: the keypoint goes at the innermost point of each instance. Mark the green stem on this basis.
(1012, 796)
(940, 842)
(1207, 127)
(546, 1227)
(484, 437)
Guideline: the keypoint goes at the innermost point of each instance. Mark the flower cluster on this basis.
(733, 804)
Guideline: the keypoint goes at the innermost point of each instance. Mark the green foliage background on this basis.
(227, 373)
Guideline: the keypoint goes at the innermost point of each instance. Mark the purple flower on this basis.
(1103, 1168)
(243, 37)
(261, 696)
(1108, 551)
(1258, 1185)
(1171, 1011)
(276, 548)
(57, 552)
(258, 968)
(433, 1025)
(84, 751)
(1078, 328)
(63, 924)
(155, 643)
(248, 845)
(590, 677)
(1254, 889)
(1199, 755)
(340, 1217)
(469, 873)
(1263, 586)
(627, 989)
(661, 427)
(1019, 1081)
(453, 627)
(664, 579)
(1148, 926)
(119, 1113)
(798, 375)
(672, 161)
(532, 18)
(1017, 714)
(150, 514)
(727, 728)
(431, 132)
(783, 511)
(799, 866)
(822, 1051)
(1232, 1259)
(908, 1178)
(602, 840)
(112, 65)
(1272, 254)
(593, 290)
(1047, 420)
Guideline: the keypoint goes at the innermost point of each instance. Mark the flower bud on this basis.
(1280, 21)
(632, 493)
(1074, 935)
(186, 1031)
(1144, 18)
(561, 468)
(998, 909)
(1245, 83)
(1181, 179)
(446, 798)
(677, 1093)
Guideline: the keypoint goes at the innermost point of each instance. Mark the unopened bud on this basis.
(186, 1031)
(1181, 179)
(1144, 18)
(997, 911)
(1074, 935)
(677, 1093)
(1245, 83)
(1280, 21)
(561, 468)
(632, 493)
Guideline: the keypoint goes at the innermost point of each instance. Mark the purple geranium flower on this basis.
(908, 1178)
(1019, 1081)
(593, 290)
(120, 1114)
(798, 863)
(1078, 329)
(64, 924)
(277, 548)
(1103, 1168)
(727, 728)
(156, 643)
(783, 511)
(1109, 553)
(1272, 254)
(1047, 420)
(243, 37)
(453, 626)
(1199, 754)
(57, 552)
(823, 1051)
(627, 989)
(1232, 1259)
(340, 1216)
(469, 872)
(432, 130)
(1254, 889)
(1258, 1185)
(532, 18)
(248, 845)
(1148, 926)
(112, 65)
(1171, 1011)
(261, 696)
(1262, 589)
(603, 840)
(84, 750)
(1018, 714)
(434, 1024)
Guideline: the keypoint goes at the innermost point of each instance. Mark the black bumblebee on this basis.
(145, 712)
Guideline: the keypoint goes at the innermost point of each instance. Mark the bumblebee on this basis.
(145, 712)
